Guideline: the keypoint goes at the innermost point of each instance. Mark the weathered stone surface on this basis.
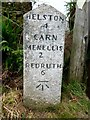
(77, 62)
(44, 32)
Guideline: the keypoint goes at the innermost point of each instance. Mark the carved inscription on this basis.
(45, 17)
(44, 33)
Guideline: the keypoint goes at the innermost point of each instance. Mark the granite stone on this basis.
(43, 46)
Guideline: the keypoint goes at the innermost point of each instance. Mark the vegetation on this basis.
(73, 104)
(11, 46)
(71, 8)
(12, 42)
(74, 101)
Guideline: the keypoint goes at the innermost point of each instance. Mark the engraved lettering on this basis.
(40, 56)
(43, 72)
(45, 17)
(34, 16)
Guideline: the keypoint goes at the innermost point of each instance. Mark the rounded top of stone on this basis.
(45, 7)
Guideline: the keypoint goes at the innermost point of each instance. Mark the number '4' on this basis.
(46, 25)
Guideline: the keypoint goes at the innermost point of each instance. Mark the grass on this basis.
(74, 104)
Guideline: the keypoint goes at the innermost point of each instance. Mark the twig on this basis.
(7, 109)
(10, 112)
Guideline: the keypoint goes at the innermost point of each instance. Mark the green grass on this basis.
(11, 45)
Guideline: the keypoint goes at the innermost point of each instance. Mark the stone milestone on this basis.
(43, 45)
